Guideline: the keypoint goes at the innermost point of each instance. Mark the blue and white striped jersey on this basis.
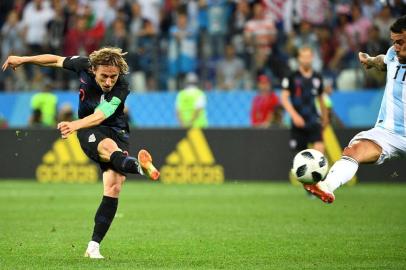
(392, 115)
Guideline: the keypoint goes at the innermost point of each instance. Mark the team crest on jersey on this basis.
(316, 82)
(92, 138)
(285, 83)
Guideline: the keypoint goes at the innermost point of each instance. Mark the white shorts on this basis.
(393, 145)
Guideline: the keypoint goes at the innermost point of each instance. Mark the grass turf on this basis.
(230, 226)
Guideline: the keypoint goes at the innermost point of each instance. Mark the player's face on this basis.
(399, 44)
(106, 76)
(305, 58)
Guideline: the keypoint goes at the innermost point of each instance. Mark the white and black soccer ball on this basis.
(310, 166)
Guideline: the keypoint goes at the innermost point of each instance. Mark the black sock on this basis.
(123, 163)
(104, 217)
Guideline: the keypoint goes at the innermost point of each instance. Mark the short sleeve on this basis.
(287, 83)
(76, 63)
(390, 55)
(120, 90)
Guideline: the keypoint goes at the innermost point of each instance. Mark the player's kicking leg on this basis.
(121, 162)
(359, 151)
(145, 162)
(321, 191)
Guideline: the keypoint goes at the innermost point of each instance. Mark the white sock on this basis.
(341, 172)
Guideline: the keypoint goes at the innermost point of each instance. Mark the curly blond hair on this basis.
(109, 56)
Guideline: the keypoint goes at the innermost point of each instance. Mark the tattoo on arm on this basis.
(377, 62)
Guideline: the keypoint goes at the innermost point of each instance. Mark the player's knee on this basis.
(114, 189)
(107, 146)
(350, 151)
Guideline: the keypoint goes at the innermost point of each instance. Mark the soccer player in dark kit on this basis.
(298, 97)
(102, 128)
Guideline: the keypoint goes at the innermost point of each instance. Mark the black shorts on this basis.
(89, 138)
(300, 138)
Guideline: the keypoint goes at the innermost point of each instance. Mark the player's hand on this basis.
(364, 58)
(66, 128)
(12, 62)
(298, 121)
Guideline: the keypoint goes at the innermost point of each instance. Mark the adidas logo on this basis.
(192, 162)
(66, 162)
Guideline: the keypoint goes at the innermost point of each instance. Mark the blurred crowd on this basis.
(228, 43)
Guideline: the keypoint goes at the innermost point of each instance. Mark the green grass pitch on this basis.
(229, 226)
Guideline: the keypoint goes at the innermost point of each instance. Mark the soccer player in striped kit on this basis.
(388, 138)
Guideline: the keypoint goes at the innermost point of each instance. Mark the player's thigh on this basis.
(363, 151)
(106, 147)
(112, 182)
(89, 139)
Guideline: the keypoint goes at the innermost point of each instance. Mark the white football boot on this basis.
(93, 251)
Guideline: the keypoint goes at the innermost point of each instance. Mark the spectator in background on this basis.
(382, 21)
(150, 9)
(306, 36)
(106, 11)
(12, 36)
(370, 8)
(264, 104)
(135, 26)
(65, 113)
(116, 35)
(148, 53)
(191, 104)
(259, 34)
(357, 30)
(230, 70)
(238, 20)
(315, 12)
(398, 7)
(86, 34)
(43, 105)
(12, 43)
(182, 49)
(375, 46)
(217, 26)
(56, 29)
(298, 96)
(343, 56)
(36, 16)
(329, 47)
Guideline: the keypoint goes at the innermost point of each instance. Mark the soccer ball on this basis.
(310, 166)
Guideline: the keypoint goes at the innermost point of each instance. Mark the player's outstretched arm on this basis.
(372, 62)
(46, 60)
(67, 128)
